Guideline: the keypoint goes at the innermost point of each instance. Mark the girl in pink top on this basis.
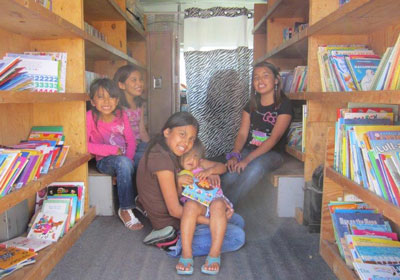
(130, 80)
(111, 140)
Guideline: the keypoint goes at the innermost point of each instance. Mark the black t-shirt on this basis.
(263, 120)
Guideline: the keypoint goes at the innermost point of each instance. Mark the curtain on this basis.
(218, 68)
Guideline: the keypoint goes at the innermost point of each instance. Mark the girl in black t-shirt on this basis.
(261, 137)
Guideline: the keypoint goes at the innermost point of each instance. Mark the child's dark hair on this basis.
(110, 87)
(121, 76)
(278, 92)
(197, 147)
(175, 120)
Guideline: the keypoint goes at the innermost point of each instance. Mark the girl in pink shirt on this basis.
(111, 140)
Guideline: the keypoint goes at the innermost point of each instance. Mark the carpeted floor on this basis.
(276, 248)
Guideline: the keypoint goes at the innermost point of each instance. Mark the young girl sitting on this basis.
(130, 81)
(193, 164)
(111, 140)
(156, 181)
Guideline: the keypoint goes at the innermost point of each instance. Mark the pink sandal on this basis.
(133, 221)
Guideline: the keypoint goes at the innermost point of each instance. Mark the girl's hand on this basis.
(229, 210)
(184, 180)
(214, 180)
(204, 174)
(240, 166)
(231, 163)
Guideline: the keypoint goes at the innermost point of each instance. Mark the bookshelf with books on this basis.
(28, 26)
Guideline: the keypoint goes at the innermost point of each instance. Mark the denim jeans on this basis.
(140, 149)
(122, 167)
(236, 186)
(234, 238)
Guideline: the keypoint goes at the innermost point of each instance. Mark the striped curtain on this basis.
(218, 86)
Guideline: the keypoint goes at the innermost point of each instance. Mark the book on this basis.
(199, 194)
(48, 226)
(362, 69)
(12, 256)
(368, 271)
(29, 244)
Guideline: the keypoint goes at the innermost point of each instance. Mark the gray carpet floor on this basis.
(276, 248)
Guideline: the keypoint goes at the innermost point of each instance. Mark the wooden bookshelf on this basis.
(31, 188)
(27, 26)
(295, 153)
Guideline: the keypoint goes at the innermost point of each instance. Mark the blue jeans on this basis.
(234, 238)
(122, 167)
(236, 186)
(140, 150)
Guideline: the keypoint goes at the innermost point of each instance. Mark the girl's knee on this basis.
(192, 206)
(125, 163)
(218, 205)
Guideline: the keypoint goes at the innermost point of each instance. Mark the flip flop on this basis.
(185, 262)
(211, 260)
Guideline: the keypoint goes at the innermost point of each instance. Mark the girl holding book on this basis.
(157, 186)
(208, 182)
(130, 80)
(111, 140)
(260, 141)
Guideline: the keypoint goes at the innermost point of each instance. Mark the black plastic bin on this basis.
(313, 201)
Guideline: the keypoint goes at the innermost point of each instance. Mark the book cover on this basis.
(29, 244)
(81, 195)
(10, 257)
(391, 235)
(48, 226)
(377, 271)
(199, 194)
(342, 73)
(363, 70)
(378, 255)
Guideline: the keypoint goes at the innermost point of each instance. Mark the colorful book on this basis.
(48, 226)
(12, 256)
(29, 244)
(199, 194)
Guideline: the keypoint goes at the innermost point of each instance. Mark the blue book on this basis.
(199, 194)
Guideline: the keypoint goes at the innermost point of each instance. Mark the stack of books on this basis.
(347, 67)
(365, 240)
(367, 148)
(295, 81)
(44, 150)
(13, 258)
(38, 71)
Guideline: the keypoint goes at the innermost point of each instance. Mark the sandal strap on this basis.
(186, 261)
(133, 220)
(211, 260)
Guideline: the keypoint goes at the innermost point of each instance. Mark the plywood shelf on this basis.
(358, 17)
(30, 19)
(331, 255)
(380, 97)
(96, 49)
(295, 153)
(108, 10)
(387, 209)
(32, 187)
(49, 257)
(39, 97)
(283, 9)
(296, 47)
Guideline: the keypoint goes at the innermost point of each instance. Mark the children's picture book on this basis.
(12, 256)
(48, 226)
(25, 243)
(377, 271)
(200, 191)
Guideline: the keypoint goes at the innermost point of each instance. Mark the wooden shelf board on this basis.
(358, 17)
(49, 257)
(32, 20)
(295, 153)
(291, 167)
(31, 188)
(297, 96)
(96, 49)
(40, 97)
(283, 9)
(296, 47)
(331, 255)
(108, 10)
(387, 209)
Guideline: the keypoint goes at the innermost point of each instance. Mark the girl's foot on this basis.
(212, 265)
(129, 219)
(184, 266)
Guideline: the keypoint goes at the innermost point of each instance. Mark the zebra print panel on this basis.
(217, 12)
(218, 85)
